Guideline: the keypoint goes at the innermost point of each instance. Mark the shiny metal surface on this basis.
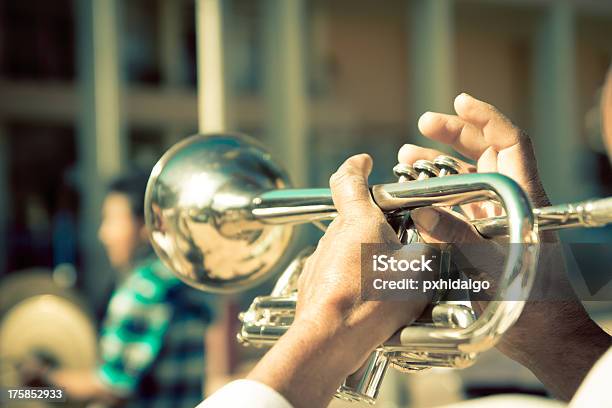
(405, 172)
(363, 385)
(198, 212)
(447, 165)
(455, 336)
(585, 214)
(221, 217)
(426, 169)
(447, 191)
(269, 317)
(297, 206)
(219, 212)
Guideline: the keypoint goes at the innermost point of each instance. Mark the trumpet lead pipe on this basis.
(584, 214)
(297, 206)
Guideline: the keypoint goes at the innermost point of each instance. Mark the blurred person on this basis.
(151, 345)
(335, 330)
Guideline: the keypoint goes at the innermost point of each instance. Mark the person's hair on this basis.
(132, 185)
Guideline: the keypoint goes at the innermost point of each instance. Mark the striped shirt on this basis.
(152, 339)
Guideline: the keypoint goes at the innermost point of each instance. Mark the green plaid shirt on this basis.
(152, 340)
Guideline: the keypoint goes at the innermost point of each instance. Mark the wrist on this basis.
(578, 348)
(556, 337)
(541, 327)
(350, 337)
(331, 339)
(305, 355)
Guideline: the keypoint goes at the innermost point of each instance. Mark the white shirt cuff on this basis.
(245, 393)
(595, 388)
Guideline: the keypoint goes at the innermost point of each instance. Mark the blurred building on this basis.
(91, 87)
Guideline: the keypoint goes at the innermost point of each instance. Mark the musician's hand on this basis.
(329, 286)
(481, 133)
(335, 330)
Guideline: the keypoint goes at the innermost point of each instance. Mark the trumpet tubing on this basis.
(584, 214)
(220, 214)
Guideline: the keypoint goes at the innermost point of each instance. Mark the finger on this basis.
(349, 188)
(487, 163)
(452, 130)
(438, 225)
(410, 153)
(498, 131)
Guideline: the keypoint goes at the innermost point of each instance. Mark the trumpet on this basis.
(584, 214)
(220, 214)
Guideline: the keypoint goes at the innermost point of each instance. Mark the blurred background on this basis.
(90, 88)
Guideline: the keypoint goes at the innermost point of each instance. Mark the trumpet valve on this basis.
(405, 172)
(426, 169)
(447, 165)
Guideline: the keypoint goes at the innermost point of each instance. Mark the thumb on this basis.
(439, 225)
(349, 188)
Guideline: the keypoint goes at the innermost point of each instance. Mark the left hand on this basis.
(335, 330)
(329, 286)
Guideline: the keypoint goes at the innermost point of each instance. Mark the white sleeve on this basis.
(595, 389)
(245, 393)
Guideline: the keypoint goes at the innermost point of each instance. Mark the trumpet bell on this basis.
(198, 212)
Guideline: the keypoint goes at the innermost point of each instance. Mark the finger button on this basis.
(447, 165)
(426, 169)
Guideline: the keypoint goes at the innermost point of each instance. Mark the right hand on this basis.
(481, 133)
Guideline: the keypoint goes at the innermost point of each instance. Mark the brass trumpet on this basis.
(220, 214)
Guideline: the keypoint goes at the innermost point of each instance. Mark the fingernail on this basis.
(405, 146)
(425, 116)
(426, 218)
(465, 97)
